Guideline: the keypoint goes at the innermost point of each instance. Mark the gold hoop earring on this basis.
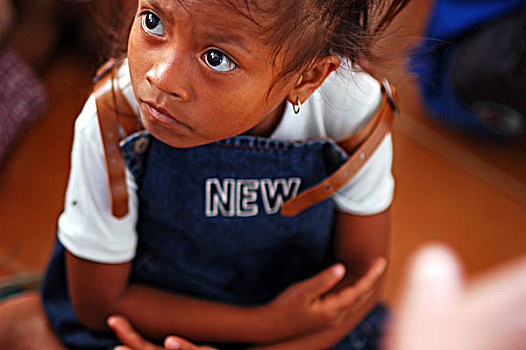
(296, 107)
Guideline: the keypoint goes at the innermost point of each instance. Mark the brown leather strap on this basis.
(116, 121)
(351, 143)
(361, 147)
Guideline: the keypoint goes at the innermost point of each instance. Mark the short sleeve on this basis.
(87, 227)
(351, 99)
(344, 103)
(371, 190)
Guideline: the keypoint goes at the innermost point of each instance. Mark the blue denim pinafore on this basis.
(210, 226)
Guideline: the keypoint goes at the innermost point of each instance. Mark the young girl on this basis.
(229, 194)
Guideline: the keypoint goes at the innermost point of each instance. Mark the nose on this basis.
(168, 75)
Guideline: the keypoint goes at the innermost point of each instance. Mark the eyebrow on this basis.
(228, 39)
(224, 38)
(159, 10)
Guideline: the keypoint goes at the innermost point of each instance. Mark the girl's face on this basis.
(200, 73)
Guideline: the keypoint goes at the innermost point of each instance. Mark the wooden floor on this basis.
(464, 191)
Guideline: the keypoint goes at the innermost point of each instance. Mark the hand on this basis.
(310, 305)
(439, 310)
(132, 340)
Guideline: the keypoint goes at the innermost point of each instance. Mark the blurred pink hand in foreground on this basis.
(440, 310)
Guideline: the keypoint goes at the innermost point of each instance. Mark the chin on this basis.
(174, 140)
(170, 137)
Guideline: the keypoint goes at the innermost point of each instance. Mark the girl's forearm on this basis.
(326, 338)
(100, 290)
(315, 341)
(156, 314)
(329, 336)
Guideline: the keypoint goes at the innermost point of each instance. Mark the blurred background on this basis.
(460, 167)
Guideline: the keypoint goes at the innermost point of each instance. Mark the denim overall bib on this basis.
(210, 226)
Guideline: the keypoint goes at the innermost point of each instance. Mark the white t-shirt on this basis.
(341, 106)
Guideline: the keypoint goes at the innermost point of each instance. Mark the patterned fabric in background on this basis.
(22, 98)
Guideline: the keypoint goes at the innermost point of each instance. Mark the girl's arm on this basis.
(99, 290)
(133, 340)
(359, 242)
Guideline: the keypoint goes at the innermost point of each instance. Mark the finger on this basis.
(435, 278)
(177, 343)
(362, 290)
(128, 335)
(367, 282)
(322, 282)
(432, 293)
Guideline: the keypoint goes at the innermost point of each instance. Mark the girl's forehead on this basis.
(251, 19)
(256, 12)
(249, 23)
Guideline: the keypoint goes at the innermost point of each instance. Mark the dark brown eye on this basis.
(151, 23)
(217, 60)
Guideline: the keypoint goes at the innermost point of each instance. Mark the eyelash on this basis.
(230, 62)
(144, 15)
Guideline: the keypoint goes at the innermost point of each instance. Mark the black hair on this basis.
(299, 30)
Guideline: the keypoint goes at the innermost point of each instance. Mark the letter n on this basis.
(220, 198)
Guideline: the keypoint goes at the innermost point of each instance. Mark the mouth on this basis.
(162, 114)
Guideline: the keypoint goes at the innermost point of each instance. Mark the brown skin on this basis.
(24, 325)
(300, 309)
(169, 71)
(339, 311)
(179, 95)
(359, 241)
(132, 340)
(369, 240)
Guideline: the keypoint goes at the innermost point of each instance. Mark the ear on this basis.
(313, 77)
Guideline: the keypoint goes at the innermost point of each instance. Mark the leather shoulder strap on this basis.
(351, 143)
(359, 146)
(116, 121)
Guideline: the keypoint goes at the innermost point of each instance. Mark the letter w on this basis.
(276, 192)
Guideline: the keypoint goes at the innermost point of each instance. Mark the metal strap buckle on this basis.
(390, 95)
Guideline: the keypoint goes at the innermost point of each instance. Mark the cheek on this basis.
(138, 64)
(245, 105)
(137, 52)
(244, 113)
(133, 39)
